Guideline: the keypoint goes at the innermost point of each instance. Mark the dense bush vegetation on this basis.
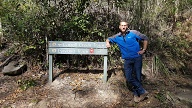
(30, 23)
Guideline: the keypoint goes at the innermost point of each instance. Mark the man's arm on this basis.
(144, 38)
(112, 38)
(145, 43)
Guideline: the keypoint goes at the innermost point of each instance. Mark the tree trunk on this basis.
(1, 33)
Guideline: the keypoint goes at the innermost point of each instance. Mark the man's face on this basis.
(123, 27)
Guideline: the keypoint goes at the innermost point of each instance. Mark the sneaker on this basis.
(143, 96)
(136, 98)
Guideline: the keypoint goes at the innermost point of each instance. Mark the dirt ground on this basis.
(86, 89)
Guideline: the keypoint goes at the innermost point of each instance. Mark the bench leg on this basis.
(50, 68)
(105, 69)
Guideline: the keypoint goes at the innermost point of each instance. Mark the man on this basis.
(127, 41)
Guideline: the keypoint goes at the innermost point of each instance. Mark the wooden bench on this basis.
(77, 47)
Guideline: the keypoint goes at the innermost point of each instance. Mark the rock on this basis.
(14, 68)
(185, 95)
(6, 61)
(42, 104)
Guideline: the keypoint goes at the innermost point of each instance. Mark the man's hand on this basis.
(108, 44)
(141, 52)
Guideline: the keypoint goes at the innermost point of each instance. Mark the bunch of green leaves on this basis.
(25, 84)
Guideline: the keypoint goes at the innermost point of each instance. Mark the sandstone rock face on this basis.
(14, 68)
